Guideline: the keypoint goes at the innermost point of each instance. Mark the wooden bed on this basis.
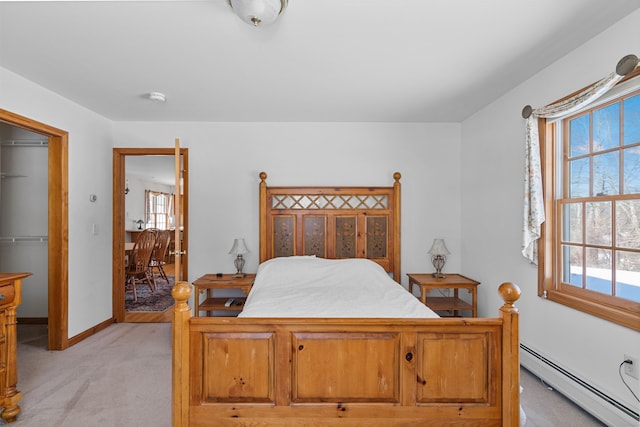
(339, 371)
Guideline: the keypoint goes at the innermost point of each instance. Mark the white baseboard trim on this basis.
(583, 394)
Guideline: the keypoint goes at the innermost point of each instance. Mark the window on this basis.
(158, 209)
(590, 249)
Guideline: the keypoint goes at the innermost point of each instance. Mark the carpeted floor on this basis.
(160, 300)
(120, 377)
(545, 407)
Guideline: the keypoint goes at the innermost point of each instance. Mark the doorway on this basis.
(58, 247)
(123, 220)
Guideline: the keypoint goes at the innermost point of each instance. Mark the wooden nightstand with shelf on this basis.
(211, 282)
(454, 304)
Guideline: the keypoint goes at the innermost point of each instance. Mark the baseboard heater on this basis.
(599, 404)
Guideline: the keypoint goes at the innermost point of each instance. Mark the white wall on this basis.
(90, 169)
(226, 158)
(492, 192)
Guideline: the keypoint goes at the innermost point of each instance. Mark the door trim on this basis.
(58, 225)
(119, 155)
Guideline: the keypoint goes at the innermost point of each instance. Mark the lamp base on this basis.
(239, 263)
(438, 262)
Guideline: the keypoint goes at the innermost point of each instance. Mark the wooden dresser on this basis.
(10, 298)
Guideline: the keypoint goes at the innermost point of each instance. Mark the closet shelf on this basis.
(24, 143)
(11, 175)
(16, 239)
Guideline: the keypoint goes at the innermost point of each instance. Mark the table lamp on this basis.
(439, 254)
(238, 249)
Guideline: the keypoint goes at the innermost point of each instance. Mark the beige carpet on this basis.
(546, 407)
(121, 377)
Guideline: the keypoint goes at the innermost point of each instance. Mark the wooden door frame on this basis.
(119, 156)
(58, 225)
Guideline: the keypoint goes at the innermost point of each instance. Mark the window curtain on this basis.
(534, 215)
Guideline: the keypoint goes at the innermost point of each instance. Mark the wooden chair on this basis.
(158, 257)
(138, 269)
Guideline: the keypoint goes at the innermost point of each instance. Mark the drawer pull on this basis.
(1, 297)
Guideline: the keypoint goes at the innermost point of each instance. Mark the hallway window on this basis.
(158, 209)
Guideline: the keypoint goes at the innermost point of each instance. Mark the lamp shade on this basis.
(438, 248)
(258, 12)
(239, 247)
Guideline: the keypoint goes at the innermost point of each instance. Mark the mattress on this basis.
(307, 286)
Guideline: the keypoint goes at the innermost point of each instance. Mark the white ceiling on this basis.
(157, 168)
(323, 61)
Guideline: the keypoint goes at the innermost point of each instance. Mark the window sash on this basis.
(158, 209)
(574, 243)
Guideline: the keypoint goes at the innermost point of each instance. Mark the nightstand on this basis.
(427, 282)
(212, 282)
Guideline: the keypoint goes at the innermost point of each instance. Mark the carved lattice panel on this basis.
(283, 236)
(315, 236)
(346, 229)
(377, 237)
(330, 201)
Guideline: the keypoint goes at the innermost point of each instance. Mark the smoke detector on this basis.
(157, 97)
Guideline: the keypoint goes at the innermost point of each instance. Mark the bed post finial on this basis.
(181, 292)
(510, 293)
(263, 176)
(397, 176)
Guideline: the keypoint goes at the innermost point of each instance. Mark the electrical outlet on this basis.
(632, 368)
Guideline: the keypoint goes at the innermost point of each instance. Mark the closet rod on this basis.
(25, 143)
(16, 239)
(11, 175)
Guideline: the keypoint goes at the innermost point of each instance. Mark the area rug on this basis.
(160, 300)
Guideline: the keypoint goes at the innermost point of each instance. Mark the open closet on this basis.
(24, 216)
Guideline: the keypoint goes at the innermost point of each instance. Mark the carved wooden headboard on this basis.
(332, 222)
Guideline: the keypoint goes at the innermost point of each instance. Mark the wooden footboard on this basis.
(355, 372)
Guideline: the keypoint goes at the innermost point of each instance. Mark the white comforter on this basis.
(306, 286)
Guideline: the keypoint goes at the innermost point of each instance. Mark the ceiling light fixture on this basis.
(258, 12)
(157, 97)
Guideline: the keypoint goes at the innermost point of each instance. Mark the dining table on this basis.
(128, 247)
